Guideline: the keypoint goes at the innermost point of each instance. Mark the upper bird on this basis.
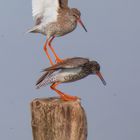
(54, 18)
(69, 70)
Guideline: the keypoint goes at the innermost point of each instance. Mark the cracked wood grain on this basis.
(55, 119)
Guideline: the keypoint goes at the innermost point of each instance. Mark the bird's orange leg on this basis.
(65, 97)
(46, 51)
(56, 56)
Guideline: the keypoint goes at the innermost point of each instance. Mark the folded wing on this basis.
(69, 63)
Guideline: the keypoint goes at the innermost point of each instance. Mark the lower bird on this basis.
(70, 70)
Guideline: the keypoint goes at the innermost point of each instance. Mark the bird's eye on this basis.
(77, 17)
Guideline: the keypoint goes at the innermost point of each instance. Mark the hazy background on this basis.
(113, 39)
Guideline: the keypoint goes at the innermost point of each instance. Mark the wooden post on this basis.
(55, 119)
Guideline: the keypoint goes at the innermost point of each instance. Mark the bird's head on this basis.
(95, 68)
(77, 14)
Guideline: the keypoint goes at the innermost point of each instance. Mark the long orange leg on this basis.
(46, 51)
(56, 56)
(65, 97)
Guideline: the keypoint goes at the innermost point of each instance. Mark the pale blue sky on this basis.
(113, 39)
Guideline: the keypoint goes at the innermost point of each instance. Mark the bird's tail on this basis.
(45, 80)
(35, 29)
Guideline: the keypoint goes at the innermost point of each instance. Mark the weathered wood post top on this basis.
(55, 119)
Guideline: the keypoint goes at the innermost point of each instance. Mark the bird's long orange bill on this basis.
(81, 23)
(101, 77)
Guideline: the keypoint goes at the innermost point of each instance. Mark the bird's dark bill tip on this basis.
(101, 77)
(81, 23)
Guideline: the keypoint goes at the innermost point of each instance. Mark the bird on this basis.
(70, 70)
(53, 18)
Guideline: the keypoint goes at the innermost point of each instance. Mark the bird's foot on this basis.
(58, 60)
(67, 97)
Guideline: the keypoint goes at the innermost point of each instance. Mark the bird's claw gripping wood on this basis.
(71, 98)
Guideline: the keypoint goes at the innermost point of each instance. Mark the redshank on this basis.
(70, 70)
(54, 18)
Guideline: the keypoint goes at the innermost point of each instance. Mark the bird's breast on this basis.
(65, 25)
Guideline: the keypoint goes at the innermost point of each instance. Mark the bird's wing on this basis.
(46, 11)
(69, 63)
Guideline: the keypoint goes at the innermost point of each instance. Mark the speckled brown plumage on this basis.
(62, 22)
